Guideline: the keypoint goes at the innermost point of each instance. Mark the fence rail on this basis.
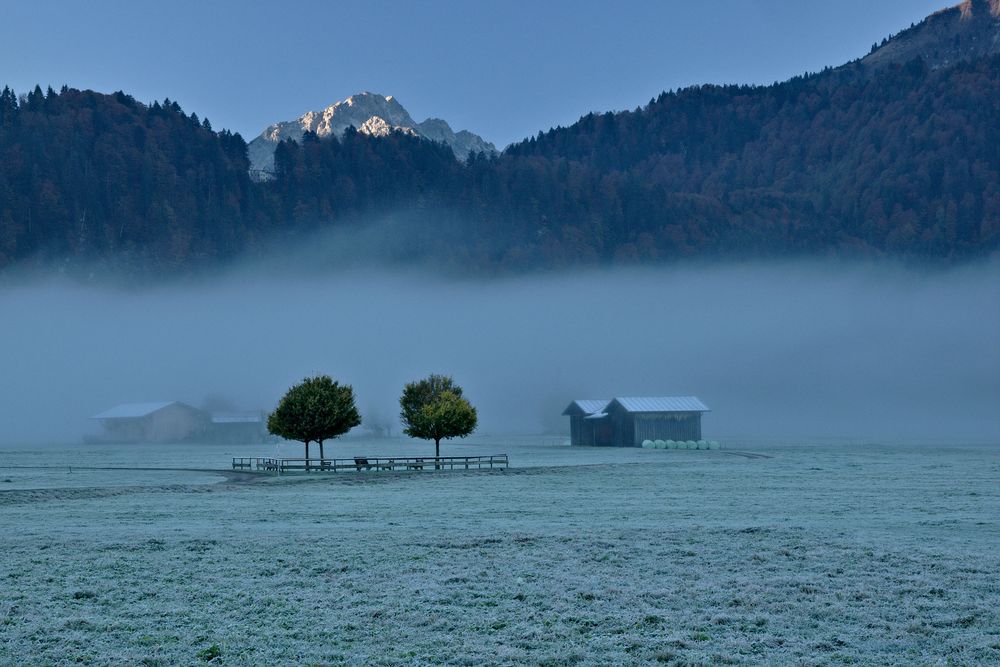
(371, 463)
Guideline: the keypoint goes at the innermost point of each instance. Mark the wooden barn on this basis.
(627, 421)
(163, 421)
(583, 431)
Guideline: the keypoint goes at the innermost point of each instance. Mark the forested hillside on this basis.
(902, 160)
(905, 162)
(104, 177)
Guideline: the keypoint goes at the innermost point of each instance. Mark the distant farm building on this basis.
(162, 421)
(237, 427)
(588, 432)
(173, 421)
(627, 421)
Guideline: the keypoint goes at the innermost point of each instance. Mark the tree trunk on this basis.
(437, 453)
(321, 456)
(307, 455)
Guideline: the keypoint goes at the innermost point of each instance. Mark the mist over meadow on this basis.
(775, 349)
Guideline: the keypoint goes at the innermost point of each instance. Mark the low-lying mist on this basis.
(781, 349)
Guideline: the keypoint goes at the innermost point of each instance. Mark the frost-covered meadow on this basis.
(819, 554)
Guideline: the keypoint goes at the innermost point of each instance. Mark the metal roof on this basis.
(133, 410)
(237, 417)
(661, 404)
(588, 405)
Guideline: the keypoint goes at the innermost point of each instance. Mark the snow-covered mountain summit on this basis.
(370, 113)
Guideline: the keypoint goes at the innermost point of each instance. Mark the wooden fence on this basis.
(371, 463)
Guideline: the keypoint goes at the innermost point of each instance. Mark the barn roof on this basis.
(135, 410)
(586, 406)
(660, 404)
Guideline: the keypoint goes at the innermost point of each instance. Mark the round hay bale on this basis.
(691, 444)
(713, 444)
(702, 444)
(647, 444)
(660, 444)
(670, 444)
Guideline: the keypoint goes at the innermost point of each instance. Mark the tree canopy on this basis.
(315, 410)
(434, 409)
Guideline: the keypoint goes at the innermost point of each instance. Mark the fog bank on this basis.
(790, 349)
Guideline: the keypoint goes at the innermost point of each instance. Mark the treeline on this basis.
(904, 161)
(104, 177)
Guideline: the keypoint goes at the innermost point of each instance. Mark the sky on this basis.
(504, 70)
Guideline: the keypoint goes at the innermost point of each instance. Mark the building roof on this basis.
(237, 417)
(660, 404)
(133, 410)
(587, 406)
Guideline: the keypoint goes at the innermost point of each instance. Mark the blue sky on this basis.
(502, 69)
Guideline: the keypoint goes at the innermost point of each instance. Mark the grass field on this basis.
(832, 554)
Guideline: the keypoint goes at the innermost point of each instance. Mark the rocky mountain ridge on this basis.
(369, 113)
(962, 32)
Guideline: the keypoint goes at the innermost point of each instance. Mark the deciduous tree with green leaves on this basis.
(434, 409)
(315, 410)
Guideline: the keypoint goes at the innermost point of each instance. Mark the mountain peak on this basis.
(370, 113)
(967, 30)
(970, 7)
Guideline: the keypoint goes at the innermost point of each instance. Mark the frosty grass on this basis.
(832, 554)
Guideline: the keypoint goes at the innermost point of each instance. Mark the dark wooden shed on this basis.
(627, 421)
(583, 431)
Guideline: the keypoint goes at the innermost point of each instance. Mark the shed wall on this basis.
(623, 430)
(174, 423)
(575, 424)
(665, 426)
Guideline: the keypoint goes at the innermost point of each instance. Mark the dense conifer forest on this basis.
(903, 161)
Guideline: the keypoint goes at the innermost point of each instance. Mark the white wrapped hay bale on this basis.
(660, 444)
(647, 444)
(671, 444)
(713, 444)
(691, 444)
(702, 444)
